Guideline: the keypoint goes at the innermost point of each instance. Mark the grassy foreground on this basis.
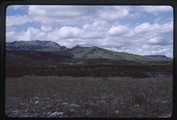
(50, 96)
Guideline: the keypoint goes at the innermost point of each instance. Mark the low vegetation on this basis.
(54, 69)
(52, 96)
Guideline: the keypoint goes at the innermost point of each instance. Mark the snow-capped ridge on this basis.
(33, 45)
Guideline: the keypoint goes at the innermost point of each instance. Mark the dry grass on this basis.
(50, 96)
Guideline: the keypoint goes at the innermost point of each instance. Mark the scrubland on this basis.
(92, 97)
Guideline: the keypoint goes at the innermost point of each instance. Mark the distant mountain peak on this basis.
(77, 46)
(156, 56)
(33, 45)
(94, 47)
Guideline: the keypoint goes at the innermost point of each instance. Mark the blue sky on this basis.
(142, 30)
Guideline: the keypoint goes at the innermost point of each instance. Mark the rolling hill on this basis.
(46, 58)
(100, 53)
(47, 50)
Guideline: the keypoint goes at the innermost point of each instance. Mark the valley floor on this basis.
(52, 96)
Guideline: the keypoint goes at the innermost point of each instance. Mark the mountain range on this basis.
(44, 50)
(34, 45)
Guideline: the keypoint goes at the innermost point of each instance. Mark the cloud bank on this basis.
(139, 30)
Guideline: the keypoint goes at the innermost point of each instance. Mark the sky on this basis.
(142, 30)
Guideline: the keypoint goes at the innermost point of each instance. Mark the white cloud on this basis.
(58, 14)
(155, 10)
(157, 38)
(96, 25)
(79, 14)
(57, 11)
(30, 34)
(15, 7)
(121, 38)
(153, 40)
(144, 27)
(69, 32)
(95, 30)
(114, 13)
(46, 28)
(117, 30)
(10, 36)
(153, 29)
(17, 20)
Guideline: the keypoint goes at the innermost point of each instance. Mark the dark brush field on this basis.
(40, 84)
(137, 71)
(52, 96)
(20, 63)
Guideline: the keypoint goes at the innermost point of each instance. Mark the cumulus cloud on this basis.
(117, 30)
(68, 32)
